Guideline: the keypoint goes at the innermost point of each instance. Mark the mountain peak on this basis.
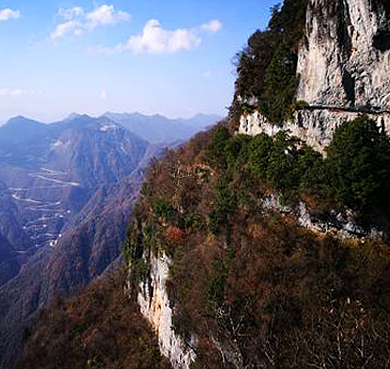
(21, 119)
(72, 116)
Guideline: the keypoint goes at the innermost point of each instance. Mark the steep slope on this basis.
(9, 267)
(228, 282)
(100, 327)
(10, 222)
(15, 245)
(220, 257)
(346, 58)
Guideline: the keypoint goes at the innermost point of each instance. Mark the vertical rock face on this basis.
(345, 57)
(155, 306)
(343, 68)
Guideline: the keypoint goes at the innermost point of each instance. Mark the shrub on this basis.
(194, 221)
(163, 208)
(145, 190)
(310, 169)
(215, 153)
(236, 149)
(281, 84)
(215, 288)
(260, 152)
(226, 197)
(216, 220)
(359, 166)
(282, 161)
(150, 233)
(175, 235)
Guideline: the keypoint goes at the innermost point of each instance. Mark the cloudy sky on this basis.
(172, 57)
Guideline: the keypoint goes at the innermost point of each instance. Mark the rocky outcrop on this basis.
(343, 68)
(314, 126)
(337, 224)
(156, 307)
(345, 57)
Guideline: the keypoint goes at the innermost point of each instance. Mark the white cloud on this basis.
(64, 28)
(8, 13)
(15, 93)
(156, 40)
(77, 21)
(103, 95)
(105, 14)
(207, 73)
(71, 13)
(213, 26)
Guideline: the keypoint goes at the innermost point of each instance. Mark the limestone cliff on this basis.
(343, 67)
(155, 306)
(345, 57)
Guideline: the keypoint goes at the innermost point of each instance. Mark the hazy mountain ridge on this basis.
(159, 129)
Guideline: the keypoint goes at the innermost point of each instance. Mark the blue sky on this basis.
(171, 57)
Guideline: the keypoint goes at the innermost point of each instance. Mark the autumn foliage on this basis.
(175, 235)
(99, 328)
(255, 289)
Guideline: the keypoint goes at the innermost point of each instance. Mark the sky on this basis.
(171, 57)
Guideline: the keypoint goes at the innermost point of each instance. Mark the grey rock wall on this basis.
(343, 64)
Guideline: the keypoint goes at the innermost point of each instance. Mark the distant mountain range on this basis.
(159, 129)
(66, 193)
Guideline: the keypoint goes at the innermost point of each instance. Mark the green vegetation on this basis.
(255, 282)
(359, 166)
(216, 151)
(356, 172)
(162, 208)
(242, 279)
(282, 162)
(267, 67)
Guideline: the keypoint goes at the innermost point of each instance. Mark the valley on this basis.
(66, 193)
(44, 215)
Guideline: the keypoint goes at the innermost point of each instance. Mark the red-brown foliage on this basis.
(100, 328)
(175, 235)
